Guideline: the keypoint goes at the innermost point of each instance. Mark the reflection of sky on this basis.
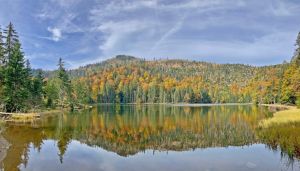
(82, 157)
(235, 31)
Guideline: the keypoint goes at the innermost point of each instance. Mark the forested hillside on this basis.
(126, 79)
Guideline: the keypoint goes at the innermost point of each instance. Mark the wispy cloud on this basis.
(283, 8)
(125, 25)
(56, 33)
(172, 30)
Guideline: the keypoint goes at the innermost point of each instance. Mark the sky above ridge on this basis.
(256, 32)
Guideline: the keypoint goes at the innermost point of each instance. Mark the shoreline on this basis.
(289, 114)
(286, 107)
(33, 116)
(208, 104)
(177, 104)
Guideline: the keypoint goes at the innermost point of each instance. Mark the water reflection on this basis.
(285, 137)
(128, 130)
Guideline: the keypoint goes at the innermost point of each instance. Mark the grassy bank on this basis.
(282, 130)
(292, 114)
(27, 117)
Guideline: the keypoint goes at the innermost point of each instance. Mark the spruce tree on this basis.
(65, 95)
(1, 67)
(2, 53)
(2, 50)
(37, 89)
(62, 73)
(11, 40)
(297, 53)
(28, 76)
(15, 81)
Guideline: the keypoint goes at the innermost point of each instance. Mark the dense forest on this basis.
(127, 79)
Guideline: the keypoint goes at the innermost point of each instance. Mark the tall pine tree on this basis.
(11, 40)
(296, 57)
(15, 74)
(1, 66)
(2, 50)
(65, 94)
(15, 81)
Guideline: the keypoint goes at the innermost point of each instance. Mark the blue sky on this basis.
(256, 32)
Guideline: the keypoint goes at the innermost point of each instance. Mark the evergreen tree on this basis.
(62, 73)
(65, 94)
(37, 91)
(2, 50)
(82, 93)
(28, 78)
(205, 98)
(138, 96)
(176, 98)
(296, 57)
(15, 81)
(152, 94)
(52, 91)
(161, 95)
(11, 40)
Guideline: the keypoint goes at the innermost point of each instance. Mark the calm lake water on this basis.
(152, 137)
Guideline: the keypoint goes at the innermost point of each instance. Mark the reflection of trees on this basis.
(284, 136)
(20, 140)
(62, 145)
(3, 145)
(127, 130)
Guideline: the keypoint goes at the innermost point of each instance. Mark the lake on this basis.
(152, 137)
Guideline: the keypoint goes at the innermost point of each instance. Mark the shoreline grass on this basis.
(292, 114)
(27, 117)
